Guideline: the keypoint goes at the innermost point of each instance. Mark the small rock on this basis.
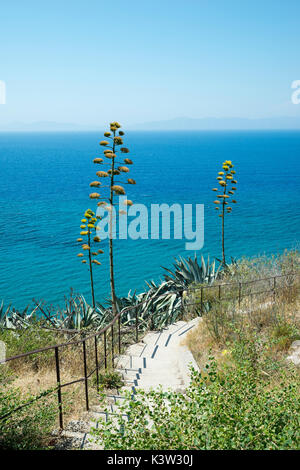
(77, 426)
(294, 357)
(295, 344)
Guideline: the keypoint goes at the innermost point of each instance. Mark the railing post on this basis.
(201, 300)
(96, 362)
(85, 377)
(182, 306)
(220, 292)
(136, 326)
(105, 351)
(119, 330)
(61, 424)
(112, 345)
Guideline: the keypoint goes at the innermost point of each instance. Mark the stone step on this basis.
(116, 399)
(148, 350)
(168, 380)
(160, 360)
(136, 349)
(129, 370)
(130, 361)
(130, 388)
(139, 362)
(130, 375)
(146, 347)
(163, 337)
(160, 338)
(113, 408)
(76, 441)
(155, 342)
(97, 418)
(176, 326)
(78, 426)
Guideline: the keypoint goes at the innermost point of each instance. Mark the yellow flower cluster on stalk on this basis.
(227, 187)
(87, 239)
(113, 145)
(115, 166)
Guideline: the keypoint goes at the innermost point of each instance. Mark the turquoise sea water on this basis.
(44, 191)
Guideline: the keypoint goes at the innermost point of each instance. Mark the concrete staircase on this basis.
(160, 359)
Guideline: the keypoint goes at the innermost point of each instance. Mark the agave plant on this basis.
(4, 316)
(188, 271)
(163, 303)
(78, 315)
(129, 306)
(13, 319)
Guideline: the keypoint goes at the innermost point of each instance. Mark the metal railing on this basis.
(111, 336)
(240, 289)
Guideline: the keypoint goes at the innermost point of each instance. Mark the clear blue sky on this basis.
(87, 62)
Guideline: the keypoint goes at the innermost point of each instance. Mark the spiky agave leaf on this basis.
(187, 271)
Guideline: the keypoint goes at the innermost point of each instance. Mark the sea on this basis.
(45, 190)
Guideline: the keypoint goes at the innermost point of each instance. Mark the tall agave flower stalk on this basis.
(88, 228)
(113, 169)
(228, 187)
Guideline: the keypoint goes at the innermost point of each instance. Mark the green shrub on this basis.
(232, 410)
(259, 267)
(110, 380)
(29, 339)
(28, 428)
(284, 334)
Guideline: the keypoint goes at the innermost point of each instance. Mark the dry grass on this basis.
(37, 373)
(274, 322)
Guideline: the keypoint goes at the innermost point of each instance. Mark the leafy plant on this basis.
(78, 314)
(163, 303)
(14, 319)
(111, 380)
(259, 267)
(284, 333)
(231, 410)
(28, 428)
(26, 340)
(188, 271)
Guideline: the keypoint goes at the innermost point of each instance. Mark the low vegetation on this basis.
(110, 380)
(24, 380)
(240, 345)
(246, 394)
(232, 409)
(30, 427)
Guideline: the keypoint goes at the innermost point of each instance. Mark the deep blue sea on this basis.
(45, 186)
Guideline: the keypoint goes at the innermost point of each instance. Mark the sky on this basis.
(95, 61)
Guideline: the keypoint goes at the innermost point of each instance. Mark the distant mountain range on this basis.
(183, 123)
(43, 126)
(180, 123)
